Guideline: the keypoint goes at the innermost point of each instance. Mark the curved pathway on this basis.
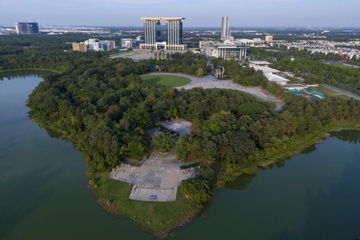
(207, 83)
(230, 84)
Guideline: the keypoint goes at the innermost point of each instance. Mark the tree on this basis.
(200, 72)
(182, 148)
(163, 142)
(137, 149)
(196, 190)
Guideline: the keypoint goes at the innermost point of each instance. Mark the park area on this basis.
(160, 175)
(165, 80)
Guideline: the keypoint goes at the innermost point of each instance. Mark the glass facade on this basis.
(27, 28)
(155, 34)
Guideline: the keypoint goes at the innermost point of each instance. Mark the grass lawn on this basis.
(157, 217)
(165, 80)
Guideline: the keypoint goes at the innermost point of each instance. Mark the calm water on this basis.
(44, 194)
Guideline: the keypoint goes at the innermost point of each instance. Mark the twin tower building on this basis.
(168, 37)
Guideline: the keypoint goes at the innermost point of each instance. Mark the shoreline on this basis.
(106, 195)
(113, 207)
(318, 138)
(166, 231)
(29, 69)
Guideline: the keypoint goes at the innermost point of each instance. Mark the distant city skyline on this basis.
(200, 13)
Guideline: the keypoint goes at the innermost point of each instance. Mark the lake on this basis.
(44, 193)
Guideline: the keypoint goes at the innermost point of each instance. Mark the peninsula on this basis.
(106, 108)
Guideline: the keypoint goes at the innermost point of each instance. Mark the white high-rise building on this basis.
(225, 28)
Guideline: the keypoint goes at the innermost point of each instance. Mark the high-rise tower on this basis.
(225, 28)
(152, 34)
(27, 28)
(152, 31)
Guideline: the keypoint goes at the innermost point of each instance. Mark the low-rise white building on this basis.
(127, 43)
(276, 79)
(269, 73)
(226, 51)
(245, 42)
(96, 45)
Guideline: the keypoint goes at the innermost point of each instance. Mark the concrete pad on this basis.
(159, 176)
(153, 194)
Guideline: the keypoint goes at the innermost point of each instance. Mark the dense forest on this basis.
(103, 106)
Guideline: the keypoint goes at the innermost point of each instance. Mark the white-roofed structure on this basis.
(265, 69)
(276, 78)
(259, 63)
(269, 73)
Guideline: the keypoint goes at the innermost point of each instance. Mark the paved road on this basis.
(349, 65)
(207, 83)
(342, 91)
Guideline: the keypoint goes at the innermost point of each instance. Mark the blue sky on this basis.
(206, 13)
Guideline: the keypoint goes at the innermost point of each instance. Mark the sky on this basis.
(198, 13)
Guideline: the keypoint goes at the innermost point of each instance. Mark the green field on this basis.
(165, 80)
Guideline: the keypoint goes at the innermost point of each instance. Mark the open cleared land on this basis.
(165, 80)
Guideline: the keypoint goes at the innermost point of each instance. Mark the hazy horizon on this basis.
(113, 13)
(235, 28)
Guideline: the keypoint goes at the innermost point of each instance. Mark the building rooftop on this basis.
(229, 46)
(275, 78)
(259, 62)
(265, 69)
(161, 18)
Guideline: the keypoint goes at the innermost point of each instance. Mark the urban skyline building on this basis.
(81, 47)
(94, 44)
(127, 43)
(268, 39)
(225, 28)
(27, 27)
(153, 34)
